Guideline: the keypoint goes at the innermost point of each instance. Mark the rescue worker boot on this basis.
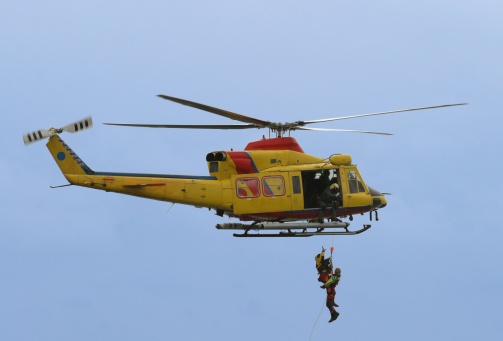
(334, 214)
(335, 315)
(320, 217)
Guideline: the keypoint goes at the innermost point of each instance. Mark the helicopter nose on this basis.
(378, 199)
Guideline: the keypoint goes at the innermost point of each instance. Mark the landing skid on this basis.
(291, 229)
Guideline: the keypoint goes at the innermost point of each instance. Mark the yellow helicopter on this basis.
(272, 185)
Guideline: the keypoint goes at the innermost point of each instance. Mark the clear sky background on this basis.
(77, 264)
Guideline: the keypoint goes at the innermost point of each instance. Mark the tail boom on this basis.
(200, 191)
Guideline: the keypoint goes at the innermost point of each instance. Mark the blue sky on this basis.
(78, 264)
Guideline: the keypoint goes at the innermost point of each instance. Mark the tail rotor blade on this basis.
(36, 136)
(75, 127)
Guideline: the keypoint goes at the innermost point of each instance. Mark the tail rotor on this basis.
(83, 124)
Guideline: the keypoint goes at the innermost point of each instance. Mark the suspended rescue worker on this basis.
(329, 198)
(330, 286)
(323, 265)
(333, 278)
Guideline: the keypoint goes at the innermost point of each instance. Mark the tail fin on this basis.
(65, 157)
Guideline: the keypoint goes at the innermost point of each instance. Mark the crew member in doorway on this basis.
(329, 198)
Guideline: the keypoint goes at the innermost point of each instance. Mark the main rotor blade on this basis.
(380, 113)
(189, 126)
(343, 130)
(221, 112)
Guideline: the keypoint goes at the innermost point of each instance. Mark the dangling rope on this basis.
(315, 322)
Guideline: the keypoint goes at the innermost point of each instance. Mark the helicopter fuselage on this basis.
(271, 180)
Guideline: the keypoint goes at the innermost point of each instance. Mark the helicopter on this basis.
(272, 187)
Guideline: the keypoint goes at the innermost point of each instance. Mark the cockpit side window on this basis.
(355, 183)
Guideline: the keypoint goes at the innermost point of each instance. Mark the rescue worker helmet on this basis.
(334, 186)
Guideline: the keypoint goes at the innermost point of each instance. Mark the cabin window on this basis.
(247, 188)
(273, 186)
(355, 183)
(296, 184)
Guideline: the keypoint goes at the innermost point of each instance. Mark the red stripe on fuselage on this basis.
(243, 161)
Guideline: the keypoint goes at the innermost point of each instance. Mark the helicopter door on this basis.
(256, 193)
(354, 191)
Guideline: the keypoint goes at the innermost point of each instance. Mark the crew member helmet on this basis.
(334, 186)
